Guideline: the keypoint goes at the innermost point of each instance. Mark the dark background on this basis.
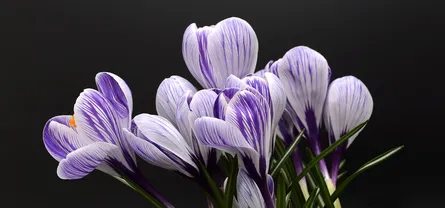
(53, 49)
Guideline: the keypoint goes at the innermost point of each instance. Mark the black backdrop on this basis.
(53, 49)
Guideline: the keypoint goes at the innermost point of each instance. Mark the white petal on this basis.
(168, 94)
(348, 104)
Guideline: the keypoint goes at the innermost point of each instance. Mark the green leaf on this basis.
(216, 192)
(296, 195)
(231, 182)
(323, 154)
(318, 177)
(342, 163)
(287, 154)
(281, 191)
(366, 166)
(310, 201)
(341, 175)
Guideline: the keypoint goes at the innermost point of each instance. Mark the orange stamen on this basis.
(73, 122)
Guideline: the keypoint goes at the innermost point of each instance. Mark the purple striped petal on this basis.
(60, 139)
(248, 193)
(224, 136)
(260, 73)
(84, 160)
(304, 75)
(214, 53)
(97, 120)
(117, 92)
(272, 67)
(191, 107)
(348, 104)
(194, 51)
(235, 82)
(251, 115)
(168, 94)
(219, 109)
(286, 128)
(158, 136)
(158, 155)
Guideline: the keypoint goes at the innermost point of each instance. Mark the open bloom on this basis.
(92, 138)
(213, 53)
(247, 115)
(348, 104)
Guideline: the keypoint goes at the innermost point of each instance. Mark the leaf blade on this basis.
(310, 201)
(328, 150)
(373, 162)
(287, 154)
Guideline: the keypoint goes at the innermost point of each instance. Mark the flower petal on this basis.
(117, 92)
(168, 94)
(158, 155)
(251, 115)
(222, 135)
(82, 161)
(201, 104)
(286, 128)
(348, 104)
(161, 133)
(224, 96)
(60, 139)
(194, 51)
(260, 73)
(97, 119)
(248, 195)
(235, 82)
(304, 74)
(233, 49)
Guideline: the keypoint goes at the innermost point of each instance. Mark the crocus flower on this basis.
(248, 193)
(93, 137)
(246, 123)
(348, 104)
(158, 142)
(304, 74)
(213, 53)
(178, 101)
(169, 92)
(192, 106)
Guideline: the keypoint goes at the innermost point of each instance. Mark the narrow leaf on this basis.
(231, 182)
(287, 154)
(324, 191)
(216, 192)
(310, 201)
(366, 166)
(342, 163)
(328, 150)
(281, 191)
(341, 175)
(296, 195)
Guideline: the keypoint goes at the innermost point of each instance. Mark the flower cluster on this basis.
(233, 120)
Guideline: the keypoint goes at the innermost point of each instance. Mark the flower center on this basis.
(73, 122)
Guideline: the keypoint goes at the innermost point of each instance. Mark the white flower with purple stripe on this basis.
(93, 137)
(305, 74)
(348, 104)
(158, 142)
(247, 117)
(192, 106)
(213, 53)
